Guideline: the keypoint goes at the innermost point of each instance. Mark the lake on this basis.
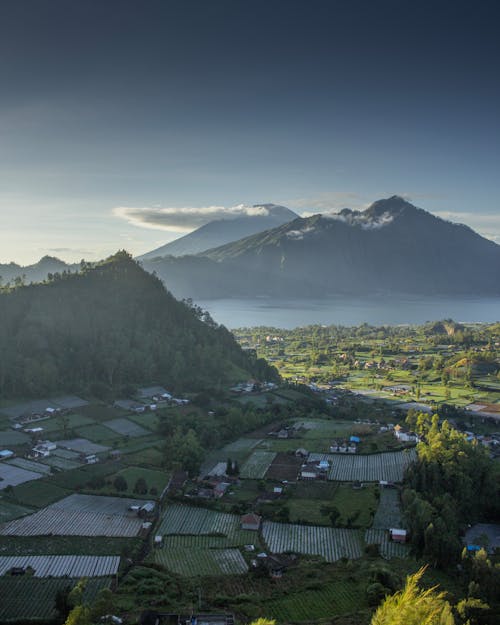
(350, 311)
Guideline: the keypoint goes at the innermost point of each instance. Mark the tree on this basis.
(414, 606)
(120, 483)
(140, 488)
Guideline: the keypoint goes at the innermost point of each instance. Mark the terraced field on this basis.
(257, 465)
(329, 542)
(63, 566)
(387, 466)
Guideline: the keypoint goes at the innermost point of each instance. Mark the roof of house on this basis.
(251, 518)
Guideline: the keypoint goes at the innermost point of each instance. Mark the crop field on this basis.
(340, 597)
(42, 595)
(66, 545)
(124, 427)
(329, 542)
(11, 475)
(389, 510)
(242, 444)
(256, 466)
(40, 493)
(9, 511)
(30, 465)
(12, 438)
(97, 433)
(388, 466)
(63, 566)
(194, 562)
(56, 423)
(79, 515)
(284, 467)
(61, 463)
(388, 548)
(82, 445)
(180, 519)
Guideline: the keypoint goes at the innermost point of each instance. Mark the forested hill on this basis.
(108, 328)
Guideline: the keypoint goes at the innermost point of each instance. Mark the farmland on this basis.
(387, 466)
(284, 467)
(79, 515)
(389, 511)
(388, 548)
(42, 595)
(63, 566)
(257, 465)
(328, 542)
(190, 520)
(191, 562)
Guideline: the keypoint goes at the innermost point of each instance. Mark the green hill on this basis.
(108, 328)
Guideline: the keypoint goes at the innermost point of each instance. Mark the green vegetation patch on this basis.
(201, 562)
(9, 511)
(97, 433)
(153, 479)
(28, 598)
(12, 438)
(68, 545)
(39, 493)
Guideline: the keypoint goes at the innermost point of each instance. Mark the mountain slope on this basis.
(109, 327)
(222, 231)
(392, 247)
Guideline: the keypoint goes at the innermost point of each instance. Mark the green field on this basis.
(154, 479)
(194, 562)
(41, 592)
(9, 510)
(66, 545)
(39, 493)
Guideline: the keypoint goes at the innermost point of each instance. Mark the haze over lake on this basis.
(350, 311)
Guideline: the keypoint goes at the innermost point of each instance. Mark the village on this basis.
(261, 505)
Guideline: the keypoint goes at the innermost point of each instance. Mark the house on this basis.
(355, 439)
(147, 509)
(251, 521)
(158, 540)
(90, 459)
(312, 471)
(6, 453)
(398, 535)
(301, 453)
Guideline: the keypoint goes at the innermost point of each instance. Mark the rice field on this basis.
(63, 566)
(257, 465)
(388, 548)
(79, 515)
(387, 466)
(193, 562)
(329, 542)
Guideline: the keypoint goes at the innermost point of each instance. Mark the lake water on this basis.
(350, 311)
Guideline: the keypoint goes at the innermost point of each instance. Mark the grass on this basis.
(154, 479)
(98, 433)
(39, 493)
(150, 457)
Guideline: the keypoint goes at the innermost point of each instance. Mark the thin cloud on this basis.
(486, 225)
(183, 219)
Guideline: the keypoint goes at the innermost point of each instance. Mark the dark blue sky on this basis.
(317, 104)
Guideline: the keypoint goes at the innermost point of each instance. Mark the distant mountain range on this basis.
(36, 272)
(392, 247)
(222, 231)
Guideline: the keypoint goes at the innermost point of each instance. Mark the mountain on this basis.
(36, 272)
(222, 231)
(108, 328)
(391, 247)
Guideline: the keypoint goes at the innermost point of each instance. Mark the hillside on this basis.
(222, 231)
(392, 247)
(110, 327)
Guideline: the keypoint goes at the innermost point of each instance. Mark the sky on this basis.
(112, 111)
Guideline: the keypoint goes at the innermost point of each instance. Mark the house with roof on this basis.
(251, 521)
